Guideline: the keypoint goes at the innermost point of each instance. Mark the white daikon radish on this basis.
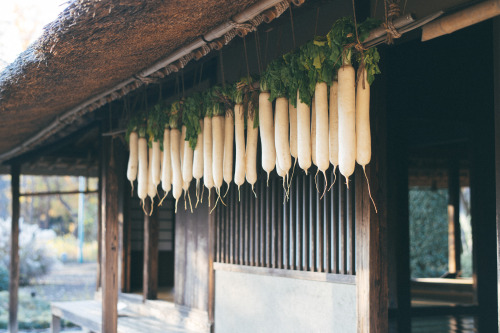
(198, 162)
(166, 165)
(292, 112)
(303, 134)
(281, 135)
(347, 120)
(334, 128)
(187, 163)
(181, 144)
(142, 180)
(133, 159)
(251, 151)
(239, 131)
(175, 138)
(266, 125)
(363, 134)
(218, 152)
(322, 148)
(313, 132)
(156, 163)
(151, 187)
(208, 178)
(228, 148)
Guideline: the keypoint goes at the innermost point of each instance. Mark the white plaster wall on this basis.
(258, 303)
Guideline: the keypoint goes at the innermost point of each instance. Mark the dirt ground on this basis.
(67, 282)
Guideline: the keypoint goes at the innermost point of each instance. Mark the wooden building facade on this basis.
(263, 262)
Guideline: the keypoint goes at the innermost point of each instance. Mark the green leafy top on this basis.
(191, 116)
(369, 58)
(274, 79)
(156, 122)
(342, 39)
(247, 94)
(315, 57)
(299, 79)
(135, 123)
(175, 119)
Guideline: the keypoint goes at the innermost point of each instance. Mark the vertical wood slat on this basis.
(251, 227)
(99, 223)
(218, 213)
(14, 249)
(313, 195)
(335, 223)
(256, 226)
(279, 221)
(268, 225)
(150, 262)
(328, 226)
(320, 224)
(293, 224)
(286, 231)
(231, 226)
(246, 224)
(343, 224)
(274, 218)
(306, 222)
(262, 225)
(239, 237)
(226, 226)
(352, 219)
(300, 222)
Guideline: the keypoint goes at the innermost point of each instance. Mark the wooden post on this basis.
(99, 224)
(14, 250)
(110, 235)
(150, 272)
(212, 229)
(454, 236)
(371, 228)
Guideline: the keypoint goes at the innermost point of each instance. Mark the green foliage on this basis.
(246, 94)
(175, 117)
(4, 277)
(428, 232)
(191, 118)
(157, 118)
(274, 79)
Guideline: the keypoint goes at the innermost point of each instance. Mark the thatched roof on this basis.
(94, 46)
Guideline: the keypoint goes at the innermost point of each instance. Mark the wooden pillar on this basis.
(14, 250)
(371, 228)
(150, 271)
(99, 224)
(496, 94)
(454, 236)
(110, 245)
(212, 229)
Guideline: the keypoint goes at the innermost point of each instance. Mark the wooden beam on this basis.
(150, 271)
(110, 235)
(14, 250)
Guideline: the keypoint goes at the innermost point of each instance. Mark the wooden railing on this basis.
(304, 233)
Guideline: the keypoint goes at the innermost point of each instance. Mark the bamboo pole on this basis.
(462, 19)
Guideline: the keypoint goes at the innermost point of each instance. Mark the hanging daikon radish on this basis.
(281, 173)
(151, 187)
(142, 177)
(198, 161)
(181, 144)
(218, 151)
(228, 147)
(133, 160)
(292, 113)
(251, 149)
(166, 168)
(322, 148)
(303, 134)
(266, 125)
(334, 127)
(175, 152)
(239, 130)
(281, 135)
(156, 163)
(313, 132)
(208, 179)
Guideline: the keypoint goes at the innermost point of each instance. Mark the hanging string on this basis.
(278, 46)
(246, 58)
(159, 95)
(257, 49)
(182, 78)
(316, 24)
(293, 28)
(177, 86)
(201, 74)
(267, 47)
(222, 68)
(392, 11)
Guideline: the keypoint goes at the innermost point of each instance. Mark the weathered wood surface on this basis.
(14, 250)
(110, 233)
(87, 315)
(192, 254)
(496, 82)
